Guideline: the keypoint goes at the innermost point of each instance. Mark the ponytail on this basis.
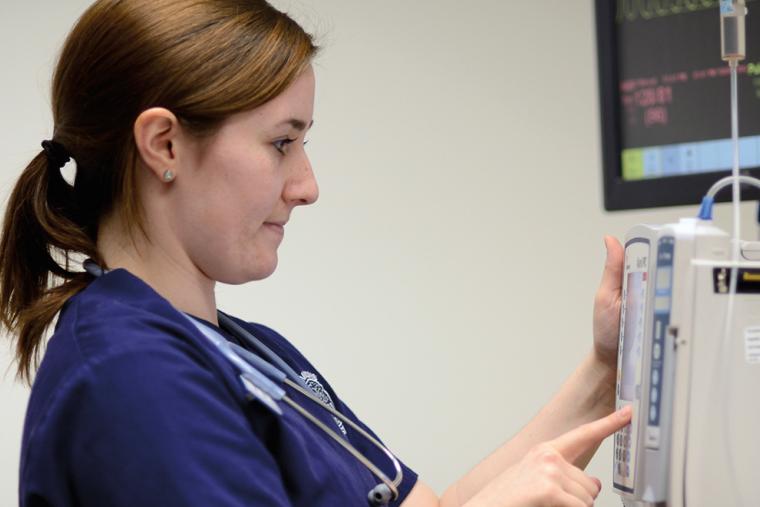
(205, 61)
(41, 230)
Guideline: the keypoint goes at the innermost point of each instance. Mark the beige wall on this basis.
(444, 281)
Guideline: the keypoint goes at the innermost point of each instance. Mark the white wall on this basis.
(444, 281)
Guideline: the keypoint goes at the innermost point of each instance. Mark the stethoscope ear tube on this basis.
(225, 322)
(391, 487)
(388, 490)
(260, 379)
(269, 370)
(93, 268)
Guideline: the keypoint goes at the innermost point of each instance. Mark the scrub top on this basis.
(133, 406)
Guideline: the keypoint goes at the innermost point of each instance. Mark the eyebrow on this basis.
(297, 124)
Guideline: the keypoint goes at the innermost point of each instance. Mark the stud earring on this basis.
(168, 176)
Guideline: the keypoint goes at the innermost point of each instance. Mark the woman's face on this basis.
(238, 189)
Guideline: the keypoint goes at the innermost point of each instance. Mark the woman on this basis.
(186, 119)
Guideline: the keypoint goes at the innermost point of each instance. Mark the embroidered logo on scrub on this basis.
(316, 386)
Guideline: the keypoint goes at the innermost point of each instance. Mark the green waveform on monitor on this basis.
(634, 10)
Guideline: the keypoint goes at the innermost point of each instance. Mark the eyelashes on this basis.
(282, 144)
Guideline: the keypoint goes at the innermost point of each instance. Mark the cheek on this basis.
(235, 217)
(230, 245)
(241, 190)
(225, 200)
(243, 252)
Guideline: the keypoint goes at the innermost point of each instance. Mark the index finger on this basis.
(575, 443)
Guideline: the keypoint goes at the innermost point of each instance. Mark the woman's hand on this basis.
(607, 305)
(545, 476)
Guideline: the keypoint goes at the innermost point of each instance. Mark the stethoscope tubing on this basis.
(279, 376)
(262, 378)
(225, 322)
(287, 375)
(393, 484)
(238, 355)
(348, 447)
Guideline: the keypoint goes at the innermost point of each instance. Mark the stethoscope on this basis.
(263, 381)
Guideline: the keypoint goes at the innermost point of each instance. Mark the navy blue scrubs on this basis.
(132, 406)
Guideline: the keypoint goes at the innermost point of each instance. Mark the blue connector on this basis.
(705, 209)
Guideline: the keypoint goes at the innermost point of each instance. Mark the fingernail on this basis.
(625, 412)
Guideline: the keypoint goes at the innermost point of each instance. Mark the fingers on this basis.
(578, 491)
(569, 500)
(612, 277)
(562, 484)
(577, 442)
(583, 486)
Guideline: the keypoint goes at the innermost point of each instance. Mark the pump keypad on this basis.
(623, 452)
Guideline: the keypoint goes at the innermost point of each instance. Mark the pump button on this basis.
(653, 437)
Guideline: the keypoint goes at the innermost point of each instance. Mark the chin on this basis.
(263, 272)
(258, 271)
(254, 265)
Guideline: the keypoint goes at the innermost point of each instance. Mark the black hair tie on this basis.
(56, 154)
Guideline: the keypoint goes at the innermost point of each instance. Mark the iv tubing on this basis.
(733, 49)
(726, 379)
(728, 180)
(705, 210)
(723, 375)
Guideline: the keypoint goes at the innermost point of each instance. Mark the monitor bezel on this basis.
(620, 194)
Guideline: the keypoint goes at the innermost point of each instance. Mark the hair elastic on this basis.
(56, 153)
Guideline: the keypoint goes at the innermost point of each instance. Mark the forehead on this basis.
(296, 102)
(293, 107)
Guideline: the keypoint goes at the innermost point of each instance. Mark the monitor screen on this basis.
(665, 100)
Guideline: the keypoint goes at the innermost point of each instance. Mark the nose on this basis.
(302, 189)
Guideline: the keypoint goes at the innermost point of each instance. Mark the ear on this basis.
(156, 132)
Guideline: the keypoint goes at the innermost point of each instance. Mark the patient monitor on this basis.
(692, 378)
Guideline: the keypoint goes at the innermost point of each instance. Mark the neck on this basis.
(160, 264)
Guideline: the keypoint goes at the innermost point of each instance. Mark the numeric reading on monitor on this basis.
(673, 89)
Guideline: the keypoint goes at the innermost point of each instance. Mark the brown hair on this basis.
(202, 59)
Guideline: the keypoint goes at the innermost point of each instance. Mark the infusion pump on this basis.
(694, 438)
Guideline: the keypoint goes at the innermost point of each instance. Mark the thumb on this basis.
(612, 277)
(575, 443)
